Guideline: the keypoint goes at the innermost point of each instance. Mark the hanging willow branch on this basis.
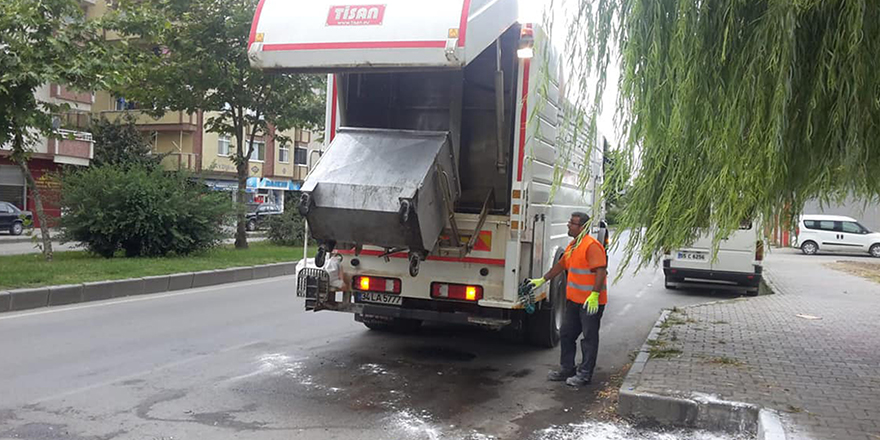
(734, 109)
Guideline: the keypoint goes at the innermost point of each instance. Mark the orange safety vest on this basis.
(580, 277)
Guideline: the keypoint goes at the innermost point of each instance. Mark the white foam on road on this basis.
(420, 425)
(611, 431)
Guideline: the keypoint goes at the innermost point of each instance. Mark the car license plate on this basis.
(692, 256)
(381, 298)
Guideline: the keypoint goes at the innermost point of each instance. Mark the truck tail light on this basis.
(460, 292)
(376, 284)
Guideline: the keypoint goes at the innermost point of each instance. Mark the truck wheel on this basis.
(544, 325)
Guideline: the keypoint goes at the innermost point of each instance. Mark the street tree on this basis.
(47, 41)
(733, 109)
(194, 58)
(119, 142)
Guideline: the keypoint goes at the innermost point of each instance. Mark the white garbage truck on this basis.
(444, 182)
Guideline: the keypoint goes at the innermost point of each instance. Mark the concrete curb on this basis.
(694, 410)
(25, 299)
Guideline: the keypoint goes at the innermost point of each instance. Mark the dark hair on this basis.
(582, 216)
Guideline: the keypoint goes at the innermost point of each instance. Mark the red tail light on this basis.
(376, 284)
(460, 292)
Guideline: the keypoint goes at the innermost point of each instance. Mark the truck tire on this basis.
(543, 327)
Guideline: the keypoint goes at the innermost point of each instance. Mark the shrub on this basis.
(144, 211)
(286, 229)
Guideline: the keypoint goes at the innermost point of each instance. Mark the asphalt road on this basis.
(245, 361)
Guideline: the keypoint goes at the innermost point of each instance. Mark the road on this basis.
(245, 361)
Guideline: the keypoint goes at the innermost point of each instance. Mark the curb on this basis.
(32, 298)
(695, 411)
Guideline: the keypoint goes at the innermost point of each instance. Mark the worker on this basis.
(586, 296)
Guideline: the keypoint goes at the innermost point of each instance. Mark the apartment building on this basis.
(74, 146)
(275, 168)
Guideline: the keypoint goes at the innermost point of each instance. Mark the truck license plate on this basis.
(381, 298)
(692, 256)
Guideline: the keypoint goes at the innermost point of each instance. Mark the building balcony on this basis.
(170, 121)
(75, 147)
(181, 161)
(61, 92)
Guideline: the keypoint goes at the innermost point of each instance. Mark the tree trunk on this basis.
(40, 215)
(241, 206)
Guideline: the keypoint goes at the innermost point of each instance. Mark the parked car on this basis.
(13, 219)
(258, 215)
(738, 263)
(835, 233)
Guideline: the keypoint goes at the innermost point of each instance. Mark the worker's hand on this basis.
(592, 303)
(537, 282)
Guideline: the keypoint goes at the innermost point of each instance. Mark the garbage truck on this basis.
(450, 169)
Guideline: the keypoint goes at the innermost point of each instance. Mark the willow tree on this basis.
(734, 109)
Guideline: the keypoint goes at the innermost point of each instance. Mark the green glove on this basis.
(592, 303)
(537, 282)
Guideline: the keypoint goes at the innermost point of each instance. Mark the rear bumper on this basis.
(440, 311)
(750, 279)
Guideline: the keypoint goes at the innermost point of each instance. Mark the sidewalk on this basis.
(6, 237)
(820, 370)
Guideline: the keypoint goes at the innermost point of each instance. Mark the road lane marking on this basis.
(148, 297)
(625, 309)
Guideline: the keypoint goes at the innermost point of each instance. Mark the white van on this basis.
(835, 233)
(737, 265)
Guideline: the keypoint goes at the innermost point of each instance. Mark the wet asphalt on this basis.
(245, 361)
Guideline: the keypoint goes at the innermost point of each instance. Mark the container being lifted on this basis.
(388, 188)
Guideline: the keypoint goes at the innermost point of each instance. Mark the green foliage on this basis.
(142, 211)
(734, 108)
(197, 59)
(286, 229)
(120, 142)
(42, 42)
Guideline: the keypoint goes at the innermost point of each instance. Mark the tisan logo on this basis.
(356, 15)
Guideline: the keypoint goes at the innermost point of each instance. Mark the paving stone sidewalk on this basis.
(823, 374)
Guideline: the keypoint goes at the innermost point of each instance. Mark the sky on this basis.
(532, 11)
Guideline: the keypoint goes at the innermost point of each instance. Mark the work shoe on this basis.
(560, 375)
(578, 381)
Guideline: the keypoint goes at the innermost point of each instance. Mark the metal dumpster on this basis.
(388, 188)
